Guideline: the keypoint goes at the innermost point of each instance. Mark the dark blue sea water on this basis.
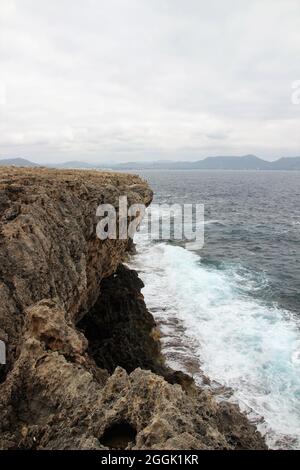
(232, 309)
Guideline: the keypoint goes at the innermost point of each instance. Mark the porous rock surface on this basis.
(84, 369)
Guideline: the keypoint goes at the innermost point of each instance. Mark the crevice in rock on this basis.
(3, 373)
(119, 328)
(118, 435)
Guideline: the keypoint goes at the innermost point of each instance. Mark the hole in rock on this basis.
(3, 373)
(118, 435)
(119, 327)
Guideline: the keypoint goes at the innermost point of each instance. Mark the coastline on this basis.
(84, 364)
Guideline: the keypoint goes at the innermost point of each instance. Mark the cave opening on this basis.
(119, 435)
(3, 373)
(119, 327)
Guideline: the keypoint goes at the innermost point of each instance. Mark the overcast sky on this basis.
(120, 80)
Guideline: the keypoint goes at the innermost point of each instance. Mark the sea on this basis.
(229, 312)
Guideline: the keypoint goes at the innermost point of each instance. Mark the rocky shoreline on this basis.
(84, 365)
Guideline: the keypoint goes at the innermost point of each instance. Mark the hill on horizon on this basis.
(245, 162)
(22, 162)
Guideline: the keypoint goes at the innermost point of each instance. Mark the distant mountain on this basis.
(246, 162)
(17, 162)
(286, 163)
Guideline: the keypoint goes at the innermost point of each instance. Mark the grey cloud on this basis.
(95, 79)
(216, 136)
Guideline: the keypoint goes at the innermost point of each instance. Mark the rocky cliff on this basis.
(84, 368)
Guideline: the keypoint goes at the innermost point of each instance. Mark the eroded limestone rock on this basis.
(71, 315)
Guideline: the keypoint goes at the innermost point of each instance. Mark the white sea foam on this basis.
(242, 343)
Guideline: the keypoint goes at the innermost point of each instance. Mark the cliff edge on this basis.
(84, 368)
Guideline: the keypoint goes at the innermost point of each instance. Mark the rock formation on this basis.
(84, 368)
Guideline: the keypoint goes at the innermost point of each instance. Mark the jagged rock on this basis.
(49, 249)
(71, 315)
(119, 328)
